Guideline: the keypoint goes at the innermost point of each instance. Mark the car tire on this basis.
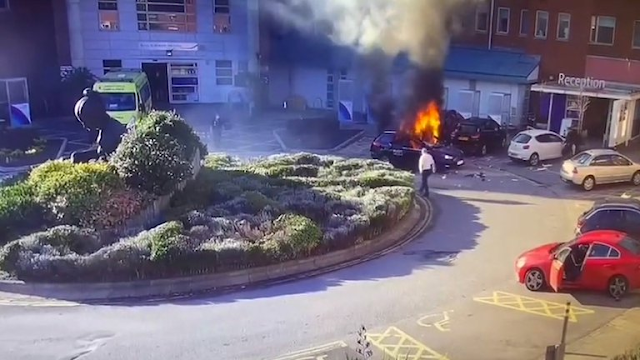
(635, 179)
(588, 183)
(534, 159)
(534, 280)
(618, 286)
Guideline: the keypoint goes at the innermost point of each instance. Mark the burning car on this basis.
(402, 147)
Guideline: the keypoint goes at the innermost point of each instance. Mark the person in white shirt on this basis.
(426, 166)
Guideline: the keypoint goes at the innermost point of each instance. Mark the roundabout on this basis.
(451, 293)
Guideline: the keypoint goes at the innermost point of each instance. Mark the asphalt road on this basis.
(449, 294)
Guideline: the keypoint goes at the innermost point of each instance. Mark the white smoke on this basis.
(421, 28)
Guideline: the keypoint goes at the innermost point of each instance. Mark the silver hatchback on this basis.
(600, 166)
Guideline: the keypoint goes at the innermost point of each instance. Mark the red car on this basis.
(603, 260)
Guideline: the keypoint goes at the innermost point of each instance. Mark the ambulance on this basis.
(126, 94)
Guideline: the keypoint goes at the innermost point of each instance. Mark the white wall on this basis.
(97, 45)
(307, 82)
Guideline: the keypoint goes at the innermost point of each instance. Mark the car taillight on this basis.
(575, 170)
(526, 147)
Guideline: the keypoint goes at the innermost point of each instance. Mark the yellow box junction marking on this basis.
(533, 306)
(439, 321)
(399, 345)
(306, 353)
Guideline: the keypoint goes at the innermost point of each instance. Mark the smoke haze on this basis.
(420, 28)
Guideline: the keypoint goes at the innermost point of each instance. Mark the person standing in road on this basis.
(426, 166)
(216, 130)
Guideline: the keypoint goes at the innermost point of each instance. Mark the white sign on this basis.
(583, 83)
(164, 46)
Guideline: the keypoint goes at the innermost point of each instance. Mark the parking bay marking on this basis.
(441, 325)
(533, 306)
(400, 345)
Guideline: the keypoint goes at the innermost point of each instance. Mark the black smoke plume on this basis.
(378, 68)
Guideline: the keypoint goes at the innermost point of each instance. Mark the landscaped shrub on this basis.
(152, 161)
(629, 355)
(19, 211)
(170, 123)
(233, 216)
(72, 191)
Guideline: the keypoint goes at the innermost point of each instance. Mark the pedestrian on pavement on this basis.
(427, 166)
(216, 130)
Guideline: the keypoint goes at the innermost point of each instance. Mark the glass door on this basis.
(18, 99)
(183, 78)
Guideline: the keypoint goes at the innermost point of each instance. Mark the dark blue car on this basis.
(404, 153)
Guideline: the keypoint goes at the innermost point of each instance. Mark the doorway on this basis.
(159, 83)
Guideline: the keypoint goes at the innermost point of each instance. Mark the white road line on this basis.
(326, 347)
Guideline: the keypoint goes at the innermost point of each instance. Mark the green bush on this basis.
(72, 191)
(219, 161)
(299, 233)
(629, 355)
(165, 241)
(151, 161)
(19, 211)
(170, 123)
(257, 201)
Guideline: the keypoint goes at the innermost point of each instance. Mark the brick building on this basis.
(31, 43)
(598, 41)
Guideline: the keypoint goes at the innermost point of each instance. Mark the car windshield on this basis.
(469, 128)
(581, 158)
(522, 138)
(385, 138)
(630, 244)
(119, 101)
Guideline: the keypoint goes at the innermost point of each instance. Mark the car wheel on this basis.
(589, 183)
(534, 159)
(635, 179)
(534, 280)
(483, 150)
(618, 286)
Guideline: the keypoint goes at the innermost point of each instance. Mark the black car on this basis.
(402, 152)
(480, 135)
(612, 214)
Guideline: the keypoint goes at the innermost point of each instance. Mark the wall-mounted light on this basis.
(169, 52)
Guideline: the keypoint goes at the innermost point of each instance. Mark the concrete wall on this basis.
(90, 45)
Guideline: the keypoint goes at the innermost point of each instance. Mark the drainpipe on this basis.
(491, 12)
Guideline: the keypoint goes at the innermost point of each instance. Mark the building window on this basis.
(564, 26)
(111, 65)
(469, 103)
(542, 24)
(603, 29)
(221, 16)
(166, 15)
(330, 90)
(503, 20)
(482, 18)
(108, 15)
(183, 78)
(636, 34)
(4, 5)
(525, 23)
(224, 72)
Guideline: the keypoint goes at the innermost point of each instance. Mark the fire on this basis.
(426, 126)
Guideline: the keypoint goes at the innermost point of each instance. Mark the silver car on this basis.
(600, 166)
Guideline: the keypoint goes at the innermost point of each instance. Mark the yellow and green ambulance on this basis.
(126, 94)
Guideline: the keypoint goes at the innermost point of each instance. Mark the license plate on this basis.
(398, 152)
(463, 138)
(460, 162)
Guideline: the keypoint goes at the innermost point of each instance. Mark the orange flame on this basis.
(426, 125)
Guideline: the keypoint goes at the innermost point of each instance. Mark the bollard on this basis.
(561, 348)
(550, 354)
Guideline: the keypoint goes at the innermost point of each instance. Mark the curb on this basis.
(412, 225)
(340, 146)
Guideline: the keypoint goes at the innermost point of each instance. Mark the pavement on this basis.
(450, 294)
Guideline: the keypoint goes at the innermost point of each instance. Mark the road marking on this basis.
(399, 345)
(441, 323)
(533, 306)
(304, 354)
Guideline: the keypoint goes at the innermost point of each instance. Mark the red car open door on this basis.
(556, 275)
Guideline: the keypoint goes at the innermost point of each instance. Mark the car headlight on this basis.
(448, 157)
(520, 263)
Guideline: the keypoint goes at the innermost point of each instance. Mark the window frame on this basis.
(524, 14)
(109, 12)
(482, 9)
(568, 27)
(106, 66)
(499, 20)
(635, 41)
(611, 248)
(188, 26)
(535, 28)
(227, 28)
(224, 77)
(595, 30)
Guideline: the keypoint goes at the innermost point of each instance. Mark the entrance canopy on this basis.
(613, 91)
